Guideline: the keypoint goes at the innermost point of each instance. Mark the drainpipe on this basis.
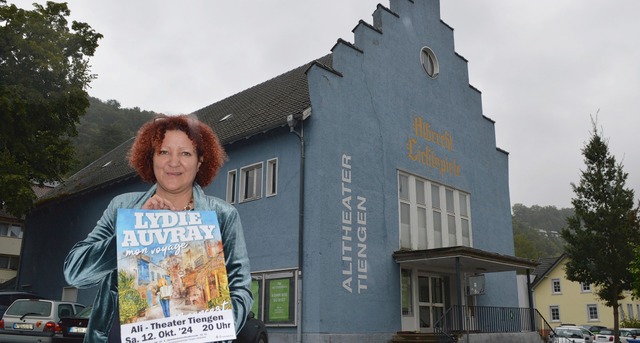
(531, 307)
(459, 291)
(292, 123)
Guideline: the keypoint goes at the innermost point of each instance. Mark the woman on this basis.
(164, 297)
(179, 155)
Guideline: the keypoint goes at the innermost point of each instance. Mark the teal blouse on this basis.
(92, 262)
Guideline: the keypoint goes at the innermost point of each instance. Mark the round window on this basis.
(429, 62)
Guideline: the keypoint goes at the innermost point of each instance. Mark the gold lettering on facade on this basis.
(424, 154)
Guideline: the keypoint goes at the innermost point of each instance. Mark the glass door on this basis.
(430, 301)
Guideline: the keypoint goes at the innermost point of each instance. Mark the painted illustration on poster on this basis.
(172, 279)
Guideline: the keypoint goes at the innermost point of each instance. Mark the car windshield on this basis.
(573, 333)
(606, 332)
(30, 307)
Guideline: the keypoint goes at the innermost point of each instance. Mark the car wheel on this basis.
(262, 339)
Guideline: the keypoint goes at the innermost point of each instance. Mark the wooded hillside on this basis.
(105, 126)
(536, 230)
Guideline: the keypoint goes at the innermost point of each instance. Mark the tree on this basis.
(44, 71)
(105, 126)
(604, 228)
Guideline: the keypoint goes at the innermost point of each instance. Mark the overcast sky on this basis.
(543, 67)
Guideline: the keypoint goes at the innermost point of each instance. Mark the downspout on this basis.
(530, 297)
(292, 123)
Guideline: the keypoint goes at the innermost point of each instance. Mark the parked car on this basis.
(8, 297)
(605, 335)
(73, 329)
(34, 320)
(594, 328)
(572, 334)
(253, 331)
(627, 334)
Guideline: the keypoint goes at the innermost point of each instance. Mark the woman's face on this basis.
(176, 163)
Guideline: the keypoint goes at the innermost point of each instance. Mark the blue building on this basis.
(373, 197)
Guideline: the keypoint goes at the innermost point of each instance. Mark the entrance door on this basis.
(430, 301)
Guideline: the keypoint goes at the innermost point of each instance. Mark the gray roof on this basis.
(547, 264)
(258, 109)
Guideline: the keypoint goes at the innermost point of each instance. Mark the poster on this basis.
(279, 300)
(172, 279)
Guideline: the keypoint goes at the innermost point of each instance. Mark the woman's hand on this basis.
(157, 202)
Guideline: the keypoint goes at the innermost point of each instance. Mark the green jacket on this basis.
(92, 262)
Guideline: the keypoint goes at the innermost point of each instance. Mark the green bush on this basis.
(630, 323)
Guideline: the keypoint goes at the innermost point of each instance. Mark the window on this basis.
(464, 219)
(429, 62)
(585, 287)
(407, 299)
(437, 216)
(231, 186)
(275, 297)
(272, 177)
(555, 286)
(554, 313)
(405, 208)
(9, 262)
(251, 182)
(256, 290)
(10, 230)
(432, 215)
(630, 311)
(592, 312)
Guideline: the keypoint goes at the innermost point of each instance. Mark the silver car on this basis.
(34, 320)
(572, 334)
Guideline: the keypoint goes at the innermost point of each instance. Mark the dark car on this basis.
(8, 297)
(253, 331)
(72, 329)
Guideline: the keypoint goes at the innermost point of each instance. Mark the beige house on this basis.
(11, 231)
(10, 243)
(560, 300)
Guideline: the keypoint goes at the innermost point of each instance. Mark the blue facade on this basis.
(374, 115)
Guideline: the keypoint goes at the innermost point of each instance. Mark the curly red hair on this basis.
(151, 135)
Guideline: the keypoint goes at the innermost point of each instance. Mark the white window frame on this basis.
(585, 287)
(272, 177)
(630, 311)
(556, 290)
(9, 262)
(551, 311)
(428, 223)
(232, 182)
(256, 170)
(11, 230)
(595, 311)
